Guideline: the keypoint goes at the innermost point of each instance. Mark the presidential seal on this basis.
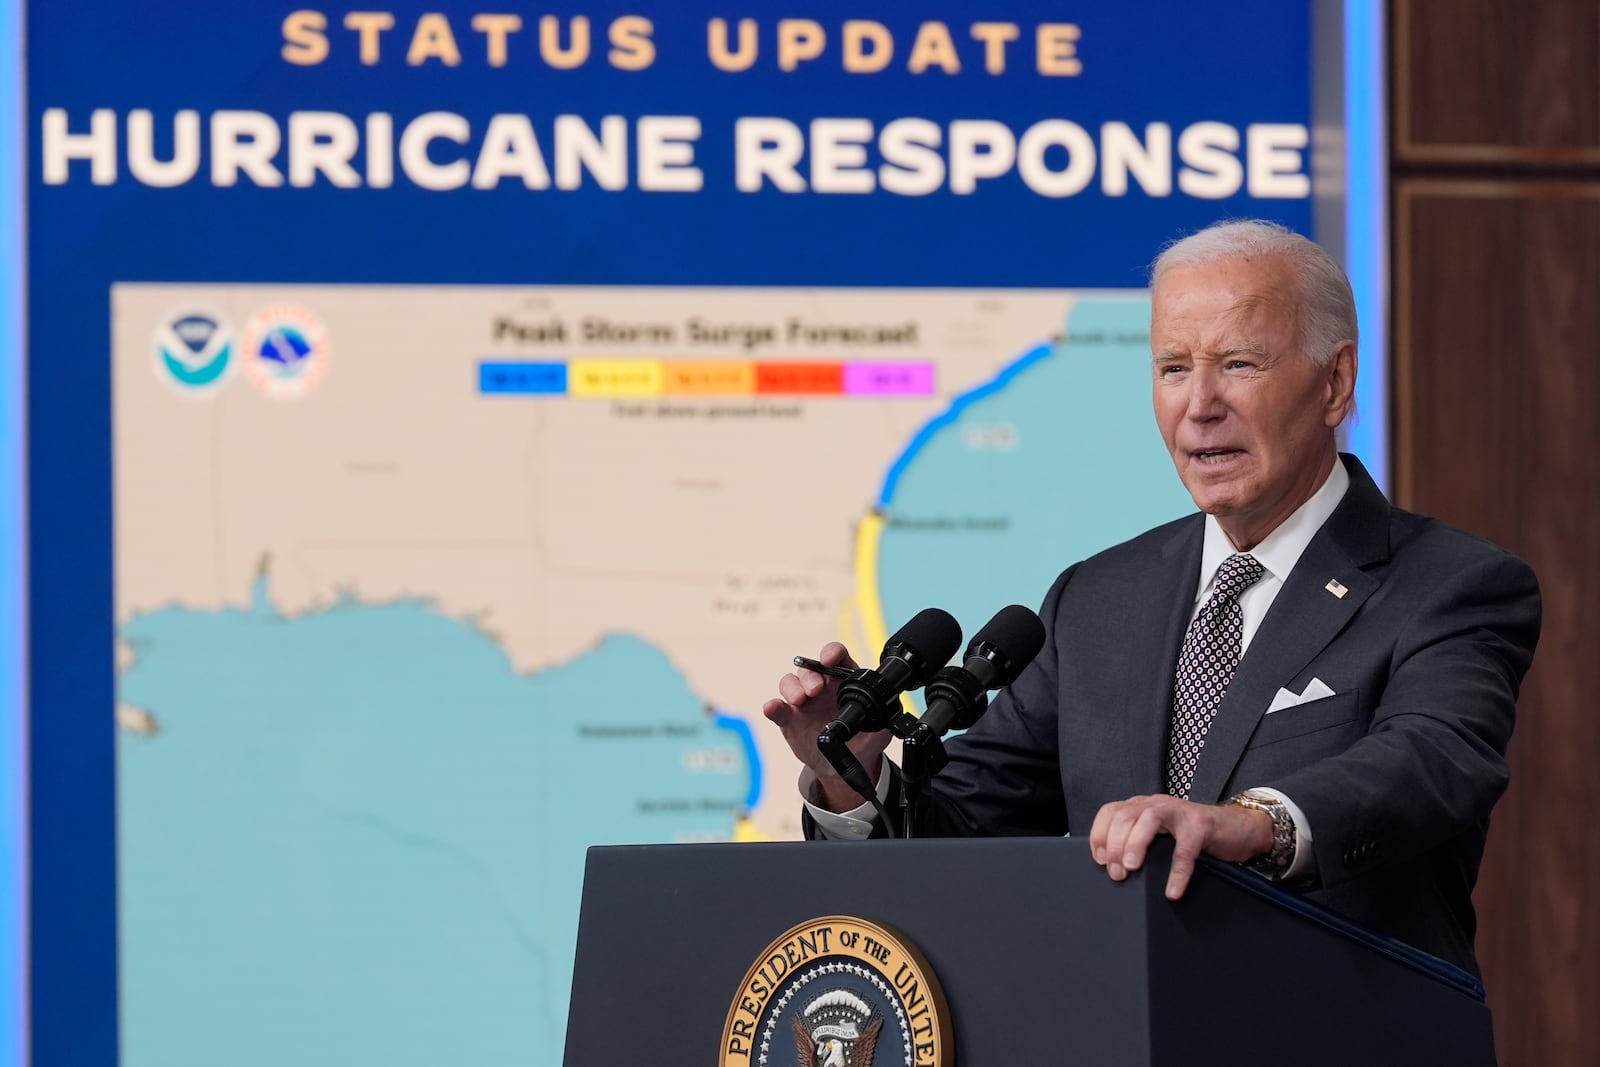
(838, 992)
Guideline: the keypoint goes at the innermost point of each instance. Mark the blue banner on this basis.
(291, 274)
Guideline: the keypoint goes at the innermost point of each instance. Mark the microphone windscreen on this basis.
(1010, 640)
(934, 635)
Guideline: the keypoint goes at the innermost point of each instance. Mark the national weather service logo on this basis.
(284, 349)
(838, 992)
(194, 350)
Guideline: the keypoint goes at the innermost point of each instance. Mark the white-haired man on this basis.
(1302, 677)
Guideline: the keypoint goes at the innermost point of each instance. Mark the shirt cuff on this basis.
(853, 825)
(1302, 864)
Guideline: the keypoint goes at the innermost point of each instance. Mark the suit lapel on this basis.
(1170, 584)
(1304, 617)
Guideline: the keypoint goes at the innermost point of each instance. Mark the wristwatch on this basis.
(1276, 860)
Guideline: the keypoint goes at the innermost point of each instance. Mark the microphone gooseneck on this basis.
(957, 696)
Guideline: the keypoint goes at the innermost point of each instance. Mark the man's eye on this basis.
(1238, 364)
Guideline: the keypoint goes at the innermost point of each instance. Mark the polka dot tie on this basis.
(1205, 668)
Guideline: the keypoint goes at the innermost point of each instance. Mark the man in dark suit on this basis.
(1301, 678)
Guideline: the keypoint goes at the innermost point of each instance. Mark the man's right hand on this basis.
(808, 701)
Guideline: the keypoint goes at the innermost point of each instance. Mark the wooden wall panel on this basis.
(1497, 413)
(1497, 81)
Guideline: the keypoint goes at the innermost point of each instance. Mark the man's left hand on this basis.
(1123, 830)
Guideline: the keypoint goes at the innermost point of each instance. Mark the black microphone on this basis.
(872, 697)
(958, 695)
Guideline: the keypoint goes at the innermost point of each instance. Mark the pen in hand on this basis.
(816, 665)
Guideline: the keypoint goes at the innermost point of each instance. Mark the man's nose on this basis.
(1205, 396)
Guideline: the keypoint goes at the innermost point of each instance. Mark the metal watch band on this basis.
(1284, 838)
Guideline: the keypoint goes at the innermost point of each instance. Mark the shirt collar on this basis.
(1281, 549)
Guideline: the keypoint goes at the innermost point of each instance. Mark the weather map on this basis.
(423, 590)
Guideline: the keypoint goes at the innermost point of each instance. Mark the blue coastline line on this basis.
(891, 481)
(747, 738)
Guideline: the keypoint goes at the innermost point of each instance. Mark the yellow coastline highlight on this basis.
(868, 534)
(615, 377)
(746, 830)
(868, 603)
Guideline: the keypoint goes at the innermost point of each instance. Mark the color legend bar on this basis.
(615, 377)
(879, 379)
(522, 377)
(708, 378)
(800, 379)
(634, 378)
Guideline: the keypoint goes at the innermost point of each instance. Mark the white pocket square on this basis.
(1316, 689)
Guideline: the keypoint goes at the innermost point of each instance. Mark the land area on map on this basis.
(719, 529)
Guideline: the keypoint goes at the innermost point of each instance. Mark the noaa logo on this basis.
(838, 992)
(194, 349)
(285, 351)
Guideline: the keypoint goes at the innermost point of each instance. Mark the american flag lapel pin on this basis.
(1336, 587)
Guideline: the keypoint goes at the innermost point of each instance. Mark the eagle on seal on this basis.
(837, 1029)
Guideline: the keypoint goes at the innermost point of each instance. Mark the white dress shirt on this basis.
(1278, 552)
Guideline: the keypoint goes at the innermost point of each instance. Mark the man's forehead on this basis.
(1250, 314)
(1221, 301)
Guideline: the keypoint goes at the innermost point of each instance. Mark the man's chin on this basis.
(1217, 484)
(1213, 499)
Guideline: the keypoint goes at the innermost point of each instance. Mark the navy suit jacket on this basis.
(1396, 772)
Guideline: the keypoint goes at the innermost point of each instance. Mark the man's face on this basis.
(1247, 417)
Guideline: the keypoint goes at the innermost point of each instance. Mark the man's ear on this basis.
(1341, 383)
